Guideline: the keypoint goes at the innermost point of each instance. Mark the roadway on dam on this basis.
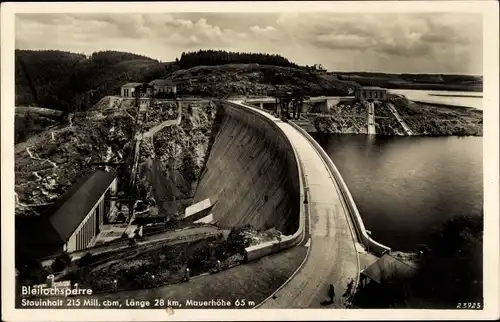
(333, 257)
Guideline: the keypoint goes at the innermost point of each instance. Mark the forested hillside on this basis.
(70, 82)
(40, 75)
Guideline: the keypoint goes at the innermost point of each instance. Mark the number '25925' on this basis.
(469, 305)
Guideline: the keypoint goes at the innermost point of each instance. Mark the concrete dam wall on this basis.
(251, 174)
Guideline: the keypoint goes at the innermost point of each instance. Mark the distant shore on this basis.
(456, 95)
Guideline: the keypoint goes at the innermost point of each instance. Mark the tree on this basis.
(85, 260)
(453, 269)
(450, 273)
(26, 125)
(63, 80)
(32, 270)
(132, 241)
(61, 262)
(236, 240)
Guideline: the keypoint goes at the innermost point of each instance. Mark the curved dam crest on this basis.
(251, 174)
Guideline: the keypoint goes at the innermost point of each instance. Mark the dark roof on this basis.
(161, 82)
(71, 208)
(35, 238)
(132, 85)
(386, 267)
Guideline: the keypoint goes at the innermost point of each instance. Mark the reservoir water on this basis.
(465, 99)
(406, 187)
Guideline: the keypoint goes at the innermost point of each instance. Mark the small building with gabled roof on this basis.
(163, 86)
(157, 87)
(386, 268)
(79, 214)
(370, 94)
(73, 221)
(129, 89)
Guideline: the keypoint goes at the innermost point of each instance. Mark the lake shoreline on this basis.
(455, 99)
(424, 120)
(445, 95)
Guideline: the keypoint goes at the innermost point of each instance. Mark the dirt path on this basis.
(37, 175)
(140, 136)
(43, 160)
(152, 131)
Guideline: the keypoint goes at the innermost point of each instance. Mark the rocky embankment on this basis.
(171, 161)
(48, 163)
(428, 119)
(422, 119)
(343, 118)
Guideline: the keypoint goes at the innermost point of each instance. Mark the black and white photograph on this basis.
(199, 157)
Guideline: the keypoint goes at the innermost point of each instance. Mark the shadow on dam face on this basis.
(251, 173)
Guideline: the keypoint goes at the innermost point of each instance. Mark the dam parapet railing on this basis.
(266, 122)
(361, 231)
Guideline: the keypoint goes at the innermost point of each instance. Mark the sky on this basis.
(448, 43)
